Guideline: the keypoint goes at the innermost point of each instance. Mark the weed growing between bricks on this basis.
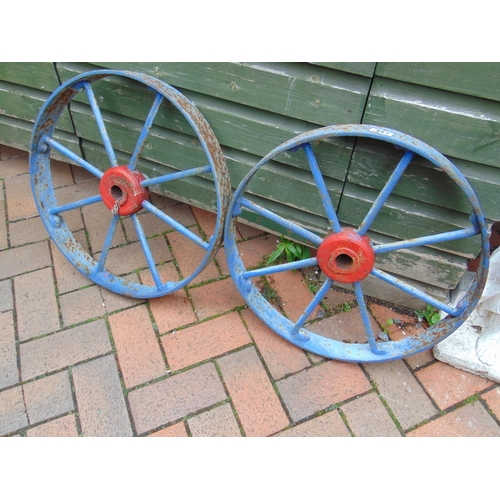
(312, 278)
(75, 402)
(346, 422)
(489, 410)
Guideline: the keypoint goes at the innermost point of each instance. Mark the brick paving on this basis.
(78, 360)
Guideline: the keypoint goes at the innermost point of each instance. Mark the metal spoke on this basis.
(299, 231)
(145, 131)
(427, 240)
(300, 264)
(100, 123)
(176, 225)
(107, 243)
(147, 251)
(76, 204)
(323, 190)
(174, 177)
(415, 292)
(365, 316)
(384, 194)
(72, 156)
(310, 308)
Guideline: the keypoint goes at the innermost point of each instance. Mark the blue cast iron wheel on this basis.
(348, 255)
(122, 187)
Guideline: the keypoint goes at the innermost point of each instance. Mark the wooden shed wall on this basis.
(253, 107)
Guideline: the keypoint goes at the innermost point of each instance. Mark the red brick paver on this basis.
(204, 341)
(294, 293)
(63, 349)
(61, 427)
(20, 201)
(328, 425)
(165, 401)
(320, 387)
(216, 298)
(252, 393)
(189, 256)
(176, 430)
(281, 357)
(27, 231)
(23, 259)
(100, 399)
(492, 399)
(68, 277)
(36, 288)
(368, 417)
(401, 391)
(218, 422)
(12, 410)
(81, 305)
(138, 351)
(471, 420)
(448, 385)
(48, 397)
(9, 374)
(172, 311)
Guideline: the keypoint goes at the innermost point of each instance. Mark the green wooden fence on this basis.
(253, 107)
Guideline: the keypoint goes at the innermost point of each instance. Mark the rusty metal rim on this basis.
(43, 191)
(323, 346)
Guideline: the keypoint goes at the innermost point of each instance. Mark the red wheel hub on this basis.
(346, 257)
(121, 187)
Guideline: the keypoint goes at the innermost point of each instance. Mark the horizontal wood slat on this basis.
(358, 68)
(373, 162)
(480, 79)
(37, 75)
(25, 103)
(19, 134)
(321, 96)
(463, 127)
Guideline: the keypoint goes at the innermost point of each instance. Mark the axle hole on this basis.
(343, 261)
(116, 193)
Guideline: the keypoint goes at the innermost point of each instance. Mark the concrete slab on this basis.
(475, 346)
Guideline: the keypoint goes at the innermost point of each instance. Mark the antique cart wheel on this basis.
(347, 255)
(122, 190)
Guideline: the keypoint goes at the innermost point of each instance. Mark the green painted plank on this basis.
(463, 127)
(480, 79)
(24, 103)
(311, 93)
(427, 265)
(405, 219)
(296, 186)
(17, 134)
(358, 68)
(38, 75)
(315, 223)
(239, 127)
(485, 181)
(374, 161)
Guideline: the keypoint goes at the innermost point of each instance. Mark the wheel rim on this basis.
(123, 188)
(346, 255)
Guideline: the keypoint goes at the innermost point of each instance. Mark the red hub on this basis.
(346, 257)
(121, 189)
